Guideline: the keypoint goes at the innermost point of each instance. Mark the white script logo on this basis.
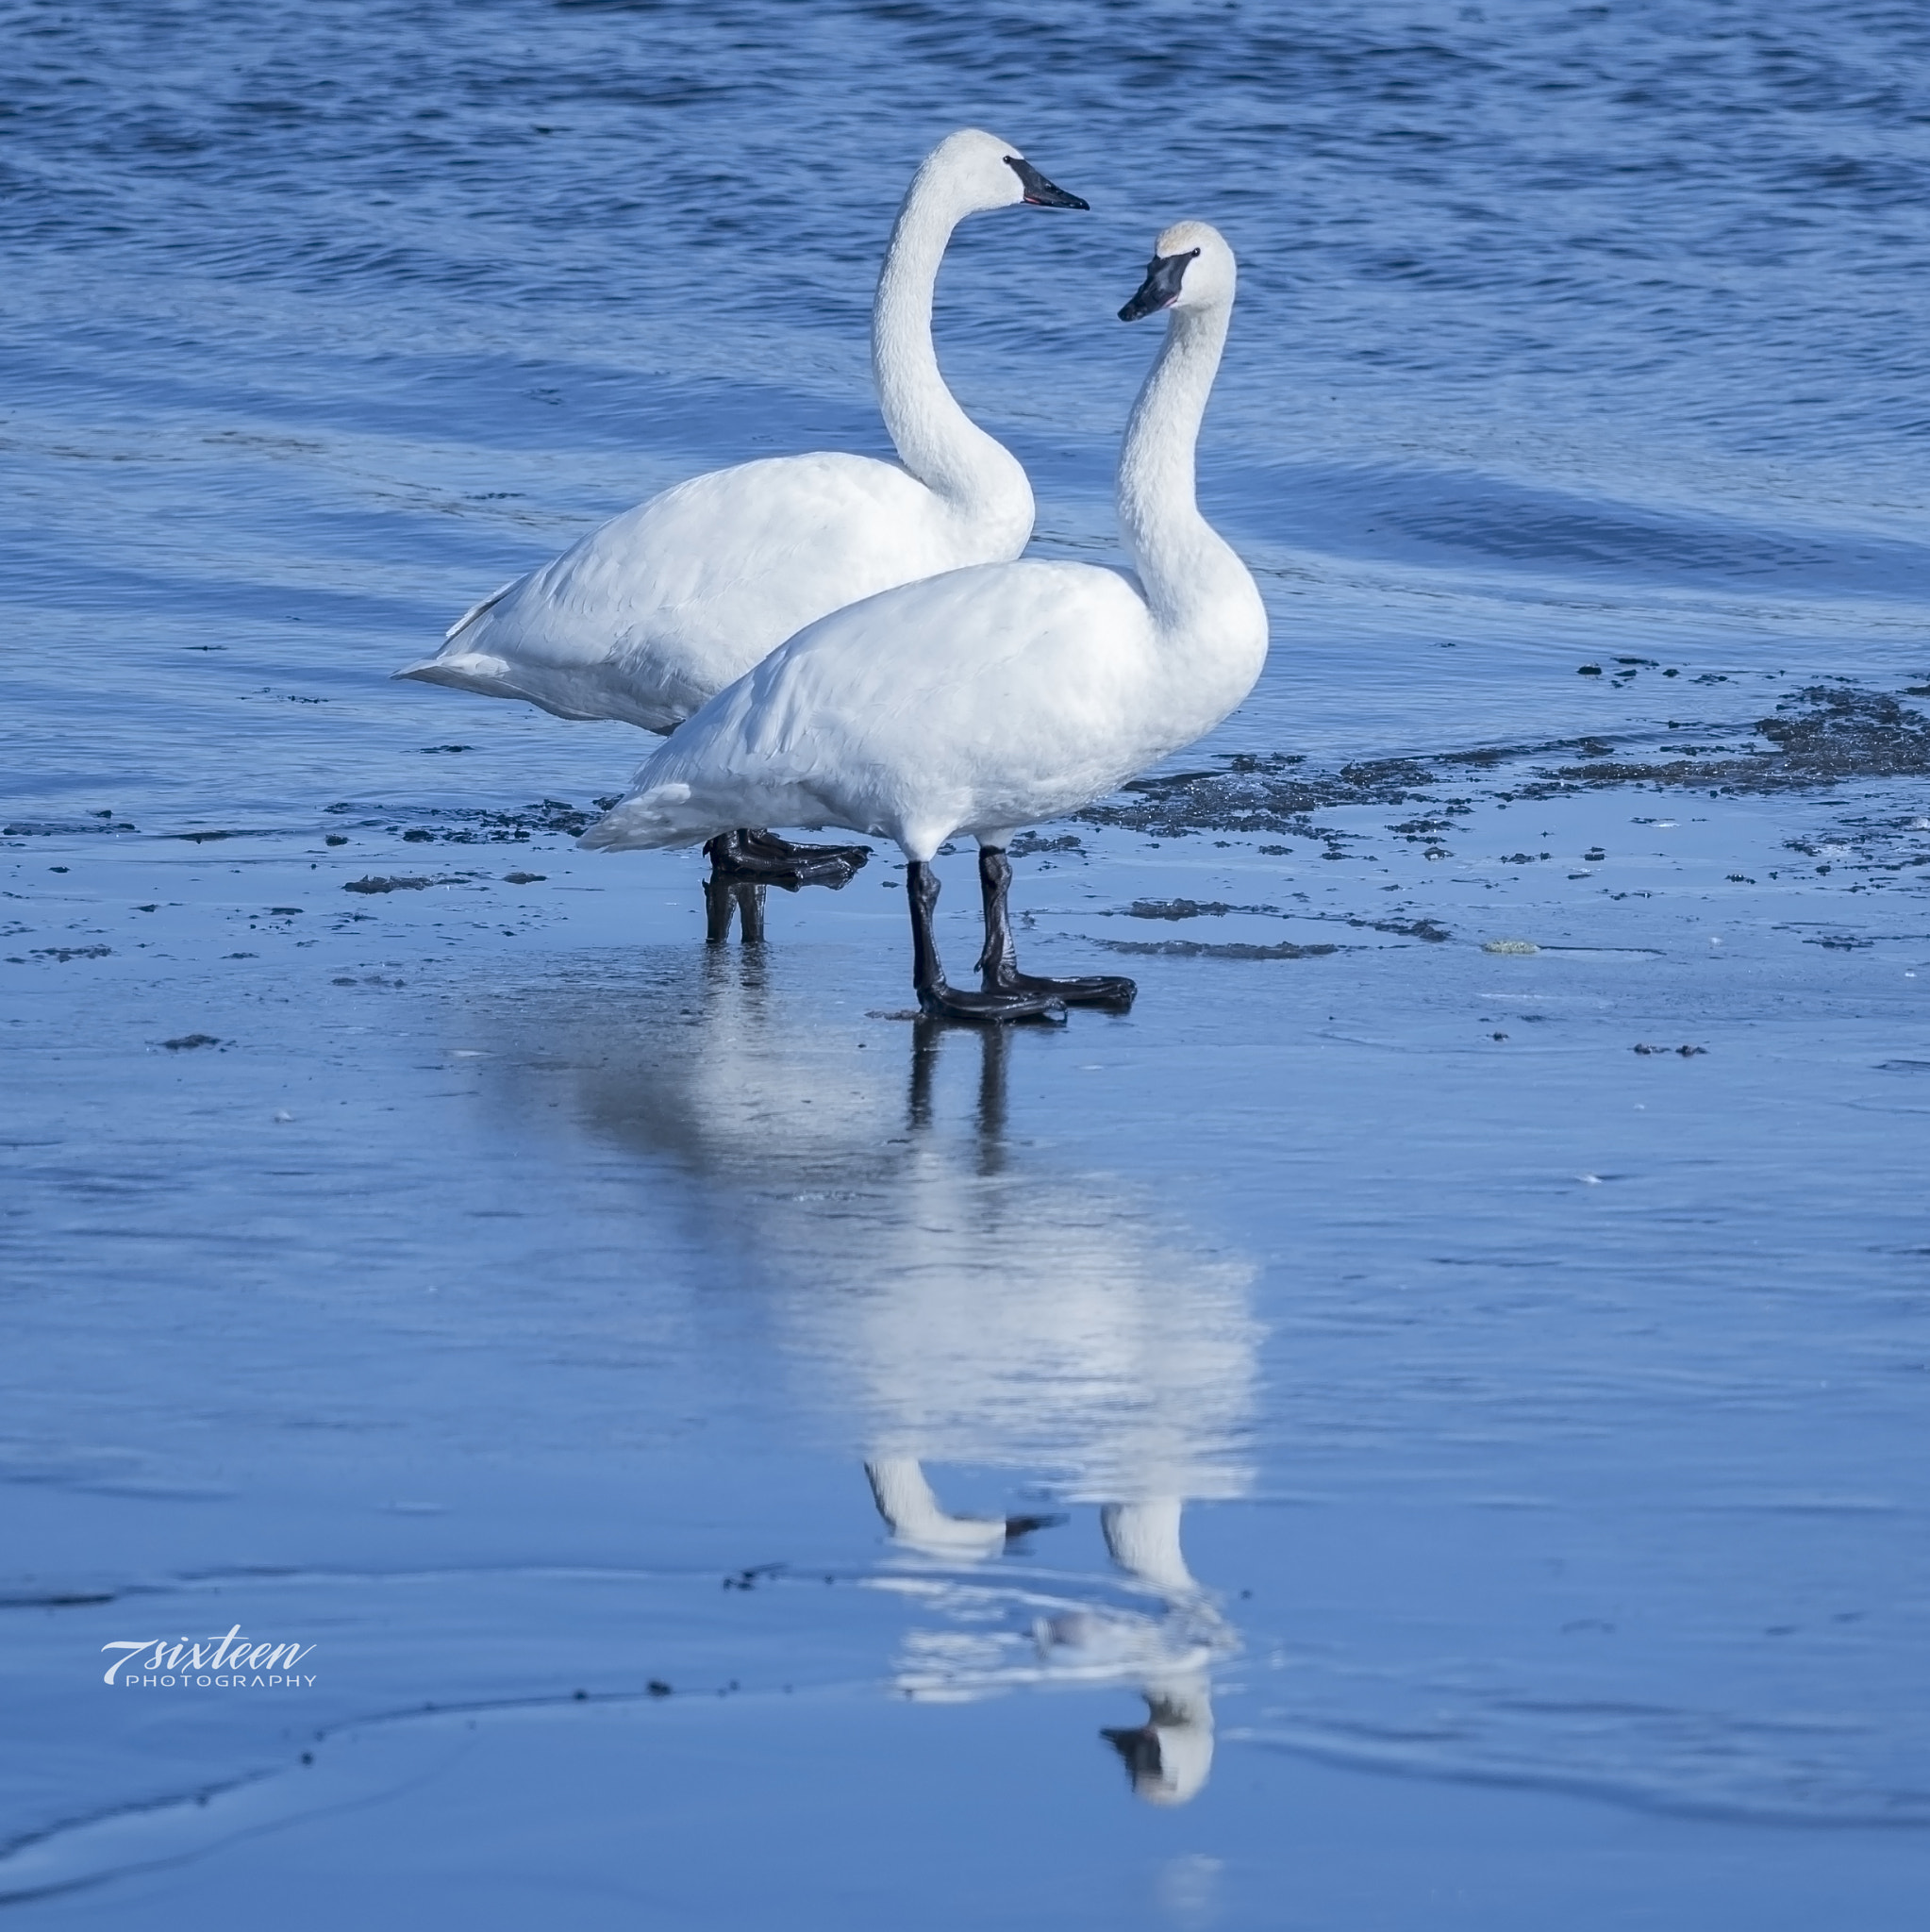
(233, 1664)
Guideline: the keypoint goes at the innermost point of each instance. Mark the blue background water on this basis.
(1549, 1424)
(1561, 329)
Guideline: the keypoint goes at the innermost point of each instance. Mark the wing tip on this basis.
(476, 609)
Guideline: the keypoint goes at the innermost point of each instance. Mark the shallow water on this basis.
(481, 1281)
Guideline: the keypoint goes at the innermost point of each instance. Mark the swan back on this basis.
(664, 605)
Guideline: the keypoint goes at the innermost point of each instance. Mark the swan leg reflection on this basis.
(995, 1047)
(998, 965)
(750, 857)
(943, 1002)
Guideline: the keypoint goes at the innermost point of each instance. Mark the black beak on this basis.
(1039, 193)
(1160, 290)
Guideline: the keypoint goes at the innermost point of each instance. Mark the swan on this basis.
(999, 695)
(650, 616)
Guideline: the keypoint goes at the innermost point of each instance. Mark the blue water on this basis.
(508, 1275)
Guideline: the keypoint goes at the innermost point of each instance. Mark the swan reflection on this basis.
(936, 1290)
(1168, 1757)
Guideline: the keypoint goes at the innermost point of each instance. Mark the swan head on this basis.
(987, 173)
(1191, 268)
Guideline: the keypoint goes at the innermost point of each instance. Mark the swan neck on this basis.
(1172, 547)
(936, 440)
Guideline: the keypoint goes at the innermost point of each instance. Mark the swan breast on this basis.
(986, 698)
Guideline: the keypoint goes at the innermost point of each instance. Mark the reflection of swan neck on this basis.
(1144, 1538)
(914, 1516)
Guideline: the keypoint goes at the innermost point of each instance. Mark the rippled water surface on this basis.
(1417, 1427)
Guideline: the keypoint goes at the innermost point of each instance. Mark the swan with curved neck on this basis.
(647, 618)
(1000, 695)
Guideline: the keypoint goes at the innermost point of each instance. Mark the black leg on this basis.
(750, 914)
(942, 1002)
(998, 965)
(756, 859)
(722, 898)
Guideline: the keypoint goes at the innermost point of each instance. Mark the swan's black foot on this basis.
(1111, 990)
(938, 1001)
(943, 1002)
(998, 964)
(769, 846)
(734, 859)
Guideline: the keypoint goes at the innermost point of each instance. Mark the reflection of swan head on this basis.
(978, 172)
(1169, 1757)
(917, 1520)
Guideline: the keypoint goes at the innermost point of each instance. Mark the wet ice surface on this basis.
(1460, 1338)
(507, 1296)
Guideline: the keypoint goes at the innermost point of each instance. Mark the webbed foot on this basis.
(736, 859)
(1111, 990)
(763, 844)
(991, 1008)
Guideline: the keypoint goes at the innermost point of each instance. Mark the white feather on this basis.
(651, 615)
(997, 696)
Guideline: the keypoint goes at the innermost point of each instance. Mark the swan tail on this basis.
(491, 676)
(663, 815)
(463, 670)
(468, 669)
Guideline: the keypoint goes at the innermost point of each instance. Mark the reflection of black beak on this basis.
(1160, 290)
(1139, 1751)
(1039, 190)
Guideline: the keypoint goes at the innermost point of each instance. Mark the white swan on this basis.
(648, 617)
(997, 696)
